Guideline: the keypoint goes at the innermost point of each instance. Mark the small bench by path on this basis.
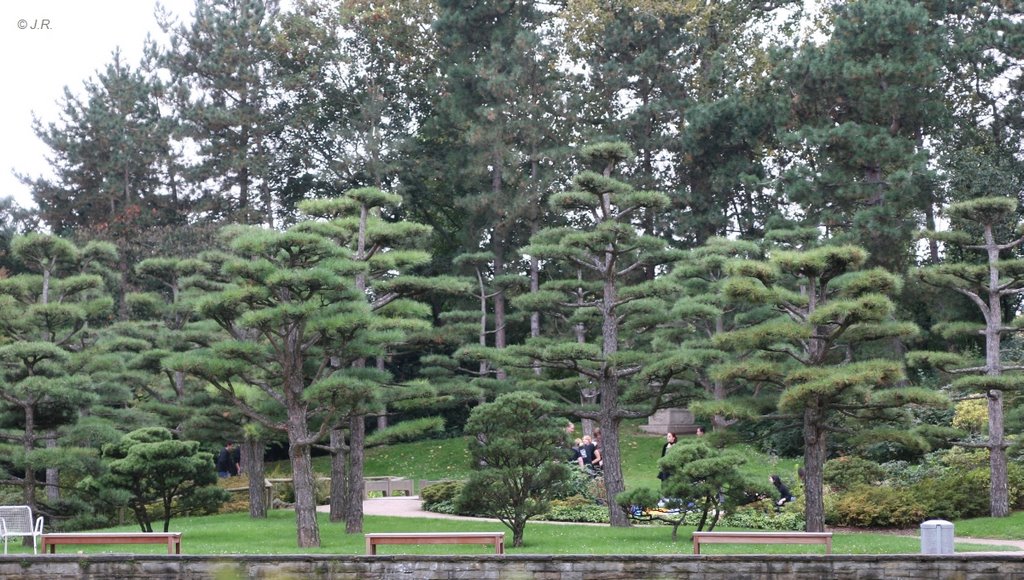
(762, 538)
(495, 538)
(172, 539)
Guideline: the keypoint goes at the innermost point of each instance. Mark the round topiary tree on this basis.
(516, 460)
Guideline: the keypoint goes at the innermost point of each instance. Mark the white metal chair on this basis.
(16, 521)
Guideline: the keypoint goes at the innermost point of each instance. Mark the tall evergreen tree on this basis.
(494, 128)
(110, 156)
(862, 104)
(222, 87)
(987, 285)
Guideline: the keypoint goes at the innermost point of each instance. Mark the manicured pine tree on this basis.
(817, 352)
(606, 246)
(383, 253)
(162, 319)
(515, 469)
(47, 330)
(295, 322)
(150, 466)
(988, 284)
(698, 313)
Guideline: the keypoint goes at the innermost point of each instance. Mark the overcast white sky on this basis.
(49, 44)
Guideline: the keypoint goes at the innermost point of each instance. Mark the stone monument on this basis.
(674, 420)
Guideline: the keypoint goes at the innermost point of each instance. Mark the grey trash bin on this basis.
(937, 537)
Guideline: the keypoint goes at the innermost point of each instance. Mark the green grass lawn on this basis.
(1008, 528)
(449, 459)
(238, 534)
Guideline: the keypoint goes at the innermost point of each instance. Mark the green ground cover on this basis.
(236, 533)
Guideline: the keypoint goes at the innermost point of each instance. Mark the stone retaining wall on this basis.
(514, 567)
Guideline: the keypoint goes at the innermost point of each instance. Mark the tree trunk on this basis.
(518, 530)
(611, 459)
(999, 497)
(28, 443)
(179, 384)
(382, 419)
(499, 303)
(999, 494)
(814, 465)
(52, 473)
(338, 471)
(356, 486)
(305, 489)
(252, 464)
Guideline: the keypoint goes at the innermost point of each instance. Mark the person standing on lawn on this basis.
(670, 440)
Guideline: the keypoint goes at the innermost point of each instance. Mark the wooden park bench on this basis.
(16, 521)
(495, 538)
(172, 539)
(762, 538)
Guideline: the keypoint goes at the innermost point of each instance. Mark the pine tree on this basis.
(384, 252)
(290, 311)
(222, 87)
(111, 157)
(862, 104)
(818, 352)
(493, 130)
(987, 285)
(47, 334)
(606, 247)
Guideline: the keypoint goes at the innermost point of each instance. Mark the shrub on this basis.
(762, 515)
(579, 484)
(971, 415)
(440, 493)
(964, 493)
(575, 509)
(884, 507)
(844, 473)
(958, 494)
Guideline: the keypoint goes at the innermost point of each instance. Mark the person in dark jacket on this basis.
(227, 461)
(786, 495)
(670, 440)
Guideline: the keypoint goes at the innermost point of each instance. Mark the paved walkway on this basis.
(412, 507)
